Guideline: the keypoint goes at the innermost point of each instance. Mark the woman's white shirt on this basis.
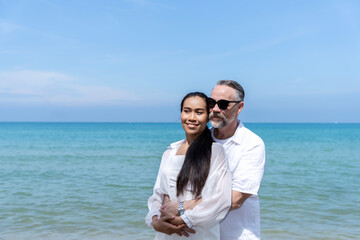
(216, 193)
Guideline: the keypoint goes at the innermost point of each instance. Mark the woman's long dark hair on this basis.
(196, 166)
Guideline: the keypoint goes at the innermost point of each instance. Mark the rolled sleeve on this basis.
(186, 220)
(249, 172)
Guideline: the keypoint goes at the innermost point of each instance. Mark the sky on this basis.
(134, 60)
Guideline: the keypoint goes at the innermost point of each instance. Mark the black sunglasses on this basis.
(223, 104)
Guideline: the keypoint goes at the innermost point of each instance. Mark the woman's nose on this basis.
(192, 116)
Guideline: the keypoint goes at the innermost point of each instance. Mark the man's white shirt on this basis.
(246, 155)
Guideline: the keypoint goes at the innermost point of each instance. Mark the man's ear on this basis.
(241, 106)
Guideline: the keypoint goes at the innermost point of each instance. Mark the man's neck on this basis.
(227, 131)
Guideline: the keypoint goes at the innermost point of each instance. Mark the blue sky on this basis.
(134, 60)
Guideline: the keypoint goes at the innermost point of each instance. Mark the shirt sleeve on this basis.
(216, 194)
(155, 201)
(250, 169)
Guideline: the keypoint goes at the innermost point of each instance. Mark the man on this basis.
(246, 156)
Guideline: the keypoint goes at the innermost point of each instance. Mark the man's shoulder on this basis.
(217, 146)
(243, 135)
(217, 149)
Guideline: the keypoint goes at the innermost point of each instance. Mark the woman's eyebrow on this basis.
(193, 108)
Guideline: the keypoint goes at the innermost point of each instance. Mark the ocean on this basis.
(92, 180)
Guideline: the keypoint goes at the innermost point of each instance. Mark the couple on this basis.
(207, 184)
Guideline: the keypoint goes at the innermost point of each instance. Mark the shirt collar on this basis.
(177, 144)
(238, 136)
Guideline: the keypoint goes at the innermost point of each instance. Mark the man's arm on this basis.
(172, 207)
(238, 199)
(247, 176)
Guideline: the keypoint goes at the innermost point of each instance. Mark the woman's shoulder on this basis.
(176, 145)
(171, 147)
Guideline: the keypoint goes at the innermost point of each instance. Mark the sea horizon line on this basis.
(153, 122)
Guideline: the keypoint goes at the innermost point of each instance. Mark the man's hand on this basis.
(171, 208)
(162, 225)
(177, 221)
(166, 199)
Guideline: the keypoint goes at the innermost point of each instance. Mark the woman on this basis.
(191, 169)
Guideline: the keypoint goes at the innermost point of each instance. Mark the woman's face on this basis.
(194, 116)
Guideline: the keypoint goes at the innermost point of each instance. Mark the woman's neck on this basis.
(184, 147)
(189, 140)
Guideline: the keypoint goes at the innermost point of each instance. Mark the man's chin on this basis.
(216, 124)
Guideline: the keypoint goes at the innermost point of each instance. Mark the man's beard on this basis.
(218, 124)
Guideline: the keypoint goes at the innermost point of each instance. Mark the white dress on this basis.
(216, 194)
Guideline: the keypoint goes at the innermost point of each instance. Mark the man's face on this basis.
(221, 118)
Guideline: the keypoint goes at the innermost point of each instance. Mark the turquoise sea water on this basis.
(92, 180)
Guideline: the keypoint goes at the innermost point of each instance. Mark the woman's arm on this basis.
(157, 198)
(216, 194)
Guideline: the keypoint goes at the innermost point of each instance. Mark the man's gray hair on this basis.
(235, 85)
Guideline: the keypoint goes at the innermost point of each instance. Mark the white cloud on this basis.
(24, 87)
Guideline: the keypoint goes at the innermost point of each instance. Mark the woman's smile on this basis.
(192, 125)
